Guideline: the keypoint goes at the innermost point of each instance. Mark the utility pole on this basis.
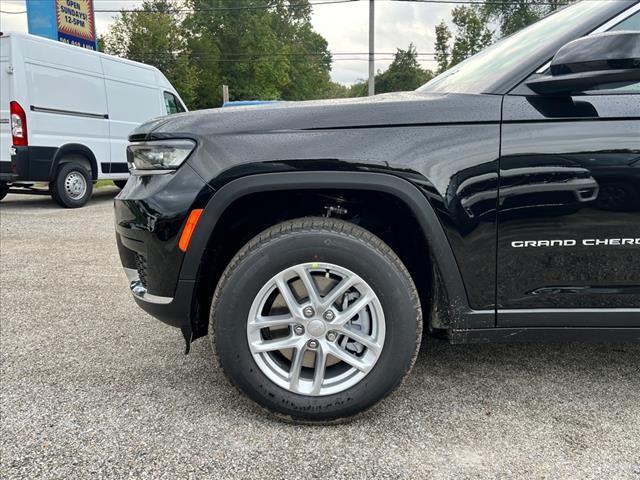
(372, 66)
(225, 93)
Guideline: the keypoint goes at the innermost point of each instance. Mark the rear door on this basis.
(5, 98)
(569, 217)
(66, 99)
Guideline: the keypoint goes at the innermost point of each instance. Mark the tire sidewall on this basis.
(388, 280)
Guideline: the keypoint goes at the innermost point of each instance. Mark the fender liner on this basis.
(71, 149)
(458, 304)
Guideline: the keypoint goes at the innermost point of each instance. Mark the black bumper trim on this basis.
(33, 164)
(176, 313)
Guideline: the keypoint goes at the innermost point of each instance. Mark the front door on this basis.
(569, 214)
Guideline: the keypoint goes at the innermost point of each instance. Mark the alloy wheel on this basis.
(316, 329)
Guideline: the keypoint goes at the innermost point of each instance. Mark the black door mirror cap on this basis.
(592, 61)
(582, 82)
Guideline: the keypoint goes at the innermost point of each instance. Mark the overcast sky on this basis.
(345, 26)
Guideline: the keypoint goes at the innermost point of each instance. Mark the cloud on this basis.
(13, 23)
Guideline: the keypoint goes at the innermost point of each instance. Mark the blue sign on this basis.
(68, 21)
(41, 18)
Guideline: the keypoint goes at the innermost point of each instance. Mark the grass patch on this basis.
(103, 183)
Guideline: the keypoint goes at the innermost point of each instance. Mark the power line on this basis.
(259, 57)
(288, 54)
(312, 4)
(212, 9)
(227, 9)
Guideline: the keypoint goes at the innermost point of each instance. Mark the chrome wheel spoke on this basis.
(261, 346)
(273, 321)
(288, 297)
(353, 309)
(363, 339)
(309, 284)
(349, 359)
(319, 370)
(296, 368)
(338, 291)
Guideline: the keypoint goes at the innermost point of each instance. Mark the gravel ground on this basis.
(92, 387)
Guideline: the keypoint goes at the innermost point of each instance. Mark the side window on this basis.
(632, 23)
(172, 104)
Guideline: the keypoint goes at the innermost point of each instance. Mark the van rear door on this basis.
(67, 102)
(5, 98)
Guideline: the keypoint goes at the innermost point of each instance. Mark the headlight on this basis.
(159, 155)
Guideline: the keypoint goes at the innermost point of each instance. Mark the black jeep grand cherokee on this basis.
(314, 241)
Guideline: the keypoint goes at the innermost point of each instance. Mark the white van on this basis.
(66, 112)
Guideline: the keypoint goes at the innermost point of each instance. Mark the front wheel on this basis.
(72, 186)
(120, 183)
(316, 320)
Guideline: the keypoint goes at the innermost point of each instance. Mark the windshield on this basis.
(478, 73)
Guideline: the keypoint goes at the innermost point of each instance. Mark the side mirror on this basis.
(589, 62)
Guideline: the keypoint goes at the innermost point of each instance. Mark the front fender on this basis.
(460, 312)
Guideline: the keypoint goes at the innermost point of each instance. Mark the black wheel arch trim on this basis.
(461, 315)
(77, 149)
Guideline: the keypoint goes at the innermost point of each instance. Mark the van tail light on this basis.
(18, 125)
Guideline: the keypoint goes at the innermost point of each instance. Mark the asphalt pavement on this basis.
(92, 387)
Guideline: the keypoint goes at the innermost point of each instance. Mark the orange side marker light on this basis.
(189, 228)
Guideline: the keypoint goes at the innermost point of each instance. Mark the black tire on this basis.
(120, 183)
(324, 240)
(60, 191)
(4, 190)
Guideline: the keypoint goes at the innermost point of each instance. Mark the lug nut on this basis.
(298, 329)
(313, 344)
(308, 312)
(331, 336)
(329, 316)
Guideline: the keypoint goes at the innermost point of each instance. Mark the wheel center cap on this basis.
(316, 328)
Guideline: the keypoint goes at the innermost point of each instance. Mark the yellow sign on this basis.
(76, 23)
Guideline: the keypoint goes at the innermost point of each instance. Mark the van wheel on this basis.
(4, 189)
(120, 183)
(316, 320)
(72, 186)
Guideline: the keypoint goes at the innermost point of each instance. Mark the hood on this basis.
(393, 109)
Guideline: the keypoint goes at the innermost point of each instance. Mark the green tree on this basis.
(337, 90)
(404, 74)
(442, 48)
(153, 34)
(472, 33)
(514, 15)
(265, 49)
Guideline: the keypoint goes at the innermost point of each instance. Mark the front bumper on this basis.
(174, 311)
(150, 213)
